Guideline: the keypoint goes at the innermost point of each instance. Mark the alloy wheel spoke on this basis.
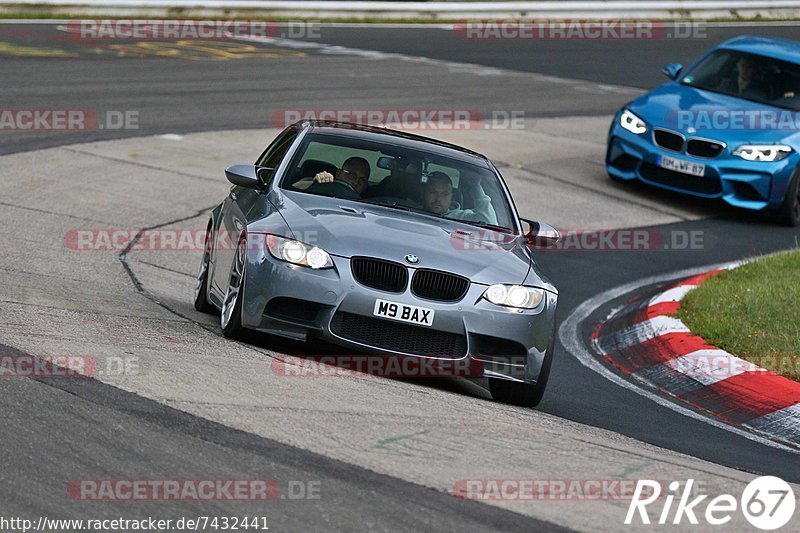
(234, 286)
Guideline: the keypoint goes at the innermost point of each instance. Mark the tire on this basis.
(523, 394)
(230, 319)
(201, 302)
(789, 212)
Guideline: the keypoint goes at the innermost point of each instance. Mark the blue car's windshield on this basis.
(400, 178)
(748, 76)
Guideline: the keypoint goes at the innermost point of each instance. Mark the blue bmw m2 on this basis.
(725, 127)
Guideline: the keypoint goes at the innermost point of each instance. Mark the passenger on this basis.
(350, 181)
(437, 197)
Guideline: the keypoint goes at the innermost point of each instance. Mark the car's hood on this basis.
(675, 106)
(346, 228)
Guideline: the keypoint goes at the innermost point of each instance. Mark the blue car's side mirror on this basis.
(672, 70)
(247, 175)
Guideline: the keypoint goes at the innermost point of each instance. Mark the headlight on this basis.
(298, 253)
(632, 123)
(514, 296)
(763, 152)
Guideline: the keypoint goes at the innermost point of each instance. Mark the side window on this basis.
(275, 151)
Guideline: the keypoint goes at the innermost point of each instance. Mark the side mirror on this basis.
(540, 235)
(251, 176)
(672, 70)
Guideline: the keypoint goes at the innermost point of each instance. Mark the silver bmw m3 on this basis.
(386, 243)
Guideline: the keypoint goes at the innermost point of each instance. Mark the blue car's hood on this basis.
(345, 228)
(675, 106)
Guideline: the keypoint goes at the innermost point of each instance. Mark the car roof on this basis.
(784, 49)
(398, 138)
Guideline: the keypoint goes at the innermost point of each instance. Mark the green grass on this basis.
(752, 311)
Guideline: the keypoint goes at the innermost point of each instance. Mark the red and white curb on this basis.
(646, 343)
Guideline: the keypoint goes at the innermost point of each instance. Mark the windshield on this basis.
(748, 76)
(399, 178)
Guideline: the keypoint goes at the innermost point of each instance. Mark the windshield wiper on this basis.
(480, 224)
(395, 205)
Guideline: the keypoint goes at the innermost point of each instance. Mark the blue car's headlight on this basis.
(631, 122)
(517, 296)
(298, 253)
(763, 152)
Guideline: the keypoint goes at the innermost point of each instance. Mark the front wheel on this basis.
(789, 212)
(231, 316)
(522, 394)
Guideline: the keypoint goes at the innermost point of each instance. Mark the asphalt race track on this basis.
(385, 454)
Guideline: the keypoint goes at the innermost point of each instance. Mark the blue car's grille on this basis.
(435, 285)
(676, 142)
(669, 140)
(398, 337)
(704, 148)
(379, 274)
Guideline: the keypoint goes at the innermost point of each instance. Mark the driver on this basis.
(437, 197)
(746, 82)
(350, 181)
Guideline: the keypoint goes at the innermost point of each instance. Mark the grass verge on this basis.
(752, 312)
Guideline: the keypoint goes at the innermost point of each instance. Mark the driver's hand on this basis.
(323, 177)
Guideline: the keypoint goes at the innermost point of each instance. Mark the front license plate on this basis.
(403, 312)
(681, 165)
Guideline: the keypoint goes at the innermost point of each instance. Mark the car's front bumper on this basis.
(747, 184)
(300, 303)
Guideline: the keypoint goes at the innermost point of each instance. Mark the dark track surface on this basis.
(119, 433)
(636, 63)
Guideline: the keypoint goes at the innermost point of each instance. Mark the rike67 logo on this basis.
(767, 502)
